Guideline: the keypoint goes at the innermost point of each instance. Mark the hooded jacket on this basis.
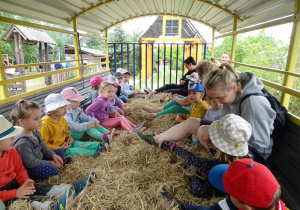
(33, 150)
(256, 110)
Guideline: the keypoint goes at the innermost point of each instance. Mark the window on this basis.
(172, 27)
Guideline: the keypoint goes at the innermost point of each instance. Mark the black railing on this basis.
(146, 66)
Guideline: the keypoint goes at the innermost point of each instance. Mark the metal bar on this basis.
(146, 64)
(76, 51)
(127, 57)
(161, 39)
(171, 64)
(292, 56)
(29, 93)
(122, 56)
(140, 65)
(295, 119)
(115, 58)
(152, 67)
(261, 26)
(197, 52)
(281, 88)
(164, 64)
(233, 46)
(48, 73)
(204, 52)
(158, 66)
(213, 44)
(133, 64)
(176, 64)
(106, 49)
(34, 25)
(3, 88)
(183, 55)
(190, 50)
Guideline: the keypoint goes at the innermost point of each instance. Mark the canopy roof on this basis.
(97, 15)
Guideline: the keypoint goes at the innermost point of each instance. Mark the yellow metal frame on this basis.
(3, 88)
(233, 46)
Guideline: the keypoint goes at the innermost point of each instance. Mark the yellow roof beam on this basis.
(158, 14)
(90, 9)
(221, 8)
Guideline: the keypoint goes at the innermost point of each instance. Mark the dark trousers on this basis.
(172, 88)
(118, 93)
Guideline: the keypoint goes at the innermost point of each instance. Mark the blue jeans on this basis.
(124, 98)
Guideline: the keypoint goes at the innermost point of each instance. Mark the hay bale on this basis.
(132, 171)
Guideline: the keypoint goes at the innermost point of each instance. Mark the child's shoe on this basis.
(165, 145)
(67, 159)
(147, 90)
(147, 138)
(81, 185)
(135, 130)
(163, 191)
(67, 201)
(140, 124)
(110, 134)
(185, 167)
(148, 96)
(193, 144)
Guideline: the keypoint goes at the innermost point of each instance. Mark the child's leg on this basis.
(170, 104)
(119, 120)
(60, 153)
(173, 110)
(77, 135)
(124, 98)
(42, 172)
(83, 148)
(203, 189)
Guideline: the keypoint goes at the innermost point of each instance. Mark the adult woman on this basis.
(190, 64)
(225, 86)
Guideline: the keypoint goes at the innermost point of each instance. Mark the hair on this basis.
(226, 158)
(190, 60)
(104, 83)
(21, 110)
(204, 67)
(225, 75)
(96, 87)
(227, 53)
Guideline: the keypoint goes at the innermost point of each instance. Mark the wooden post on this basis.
(48, 78)
(20, 57)
(41, 53)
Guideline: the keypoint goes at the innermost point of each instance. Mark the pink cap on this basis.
(125, 72)
(71, 93)
(96, 80)
(117, 84)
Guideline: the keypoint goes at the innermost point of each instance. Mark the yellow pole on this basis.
(106, 49)
(3, 88)
(76, 47)
(292, 56)
(213, 44)
(233, 41)
(144, 57)
(164, 29)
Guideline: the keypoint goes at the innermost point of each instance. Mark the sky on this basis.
(282, 32)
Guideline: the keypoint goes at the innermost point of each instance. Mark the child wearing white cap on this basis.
(16, 184)
(229, 137)
(55, 133)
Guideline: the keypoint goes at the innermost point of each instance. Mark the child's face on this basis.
(108, 92)
(215, 106)
(195, 96)
(125, 78)
(60, 112)
(73, 104)
(33, 121)
(120, 80)
(7, 144)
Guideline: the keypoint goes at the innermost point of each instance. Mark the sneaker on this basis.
(193, 144)
(185, 167)
(67, 201)
(110, 135)
(147, 138)
(135, 130)
(140, 124)
(165, 145)
(82, 185)
(148, 96)
(67, 159)
(163, 191)
(147, 90)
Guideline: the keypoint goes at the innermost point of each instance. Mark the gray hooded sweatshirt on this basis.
(256, 110)
(33, 150)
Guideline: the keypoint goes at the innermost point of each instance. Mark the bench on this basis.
(284, 163)
(83, 86)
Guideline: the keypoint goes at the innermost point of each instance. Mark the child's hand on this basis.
(56, 164)
(179, 118)
(91, 125)
(70, 140)
(133, 88)
(97, 123)
(135, 92)
(182, 82)
(65, 146)
(124, 110)
(57, 160)
(26, 189)
(112, 114)
(122, 113)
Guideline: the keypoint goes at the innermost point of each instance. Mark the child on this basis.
(198, 108)
(250, 185)
(79, 123)
(54, 129)
(117, 104)
(101, 110)
(39, 161)
(229, 137)
(95, 82)
(15, 183)
(116, 79)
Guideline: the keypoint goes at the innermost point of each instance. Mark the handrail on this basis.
(265, 68)
(48, 73)
(48, 63)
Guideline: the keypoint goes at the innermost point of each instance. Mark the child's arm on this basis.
(125, 89)
(76, 126)
(119, 102)
(183, 102)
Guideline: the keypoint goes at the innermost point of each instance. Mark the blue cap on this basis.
(195, 87)
(215, 176)
(118, 75)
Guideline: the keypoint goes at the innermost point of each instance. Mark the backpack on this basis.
(281, 111)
